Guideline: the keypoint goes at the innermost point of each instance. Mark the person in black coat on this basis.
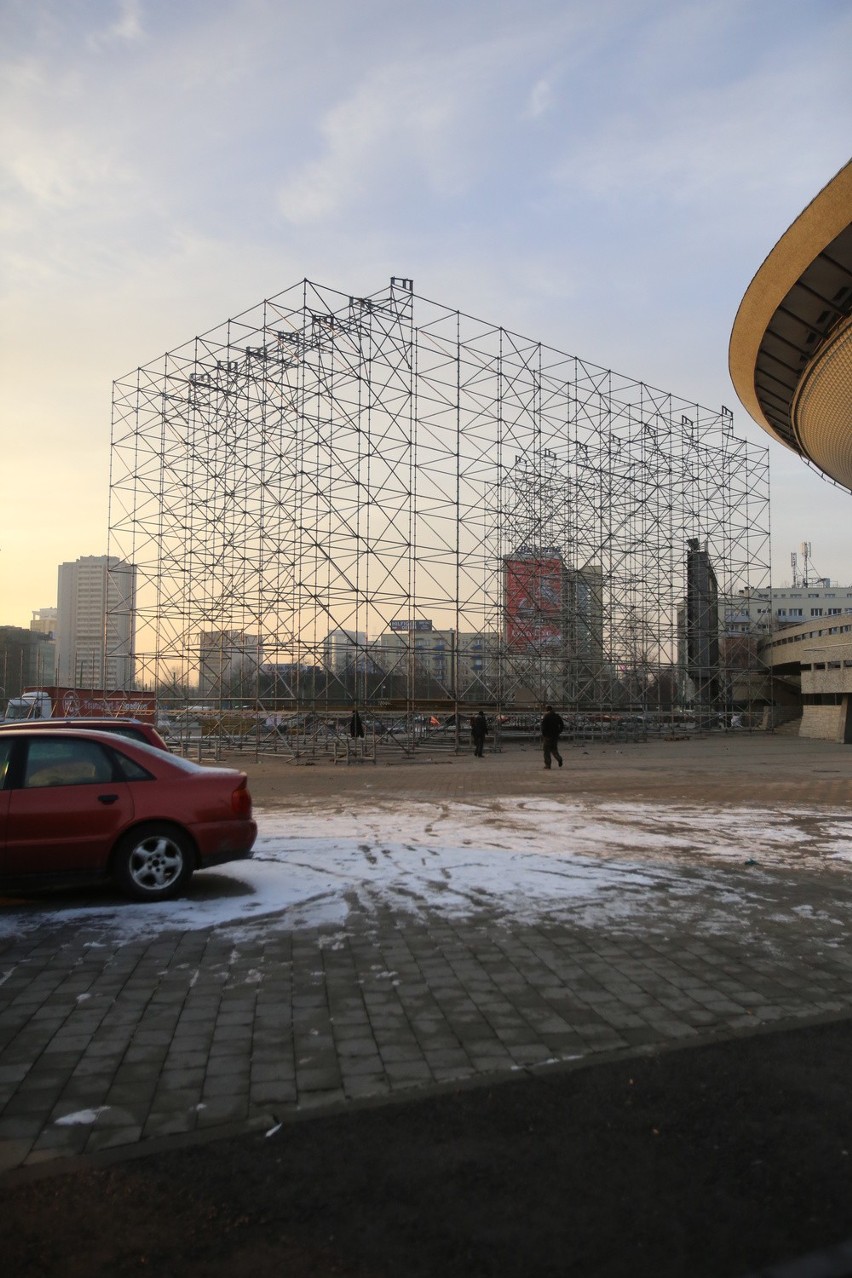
(552, 728)
(356, 727)
(478, 729)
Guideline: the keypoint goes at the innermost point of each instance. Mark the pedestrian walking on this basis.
(478, 729)
(552, 728)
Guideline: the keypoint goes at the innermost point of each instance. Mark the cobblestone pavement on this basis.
(104, 1047)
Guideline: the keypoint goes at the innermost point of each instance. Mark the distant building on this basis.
(766, 610)
(340, 650)
(444, 663)
(229, 663)
(27, 659)
(96, 623)
(554, 618)
(44, 621)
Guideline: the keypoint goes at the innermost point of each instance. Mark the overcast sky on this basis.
(603, 176)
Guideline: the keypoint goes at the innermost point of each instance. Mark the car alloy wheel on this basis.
(154, 862)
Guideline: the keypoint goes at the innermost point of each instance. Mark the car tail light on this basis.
(241, 801)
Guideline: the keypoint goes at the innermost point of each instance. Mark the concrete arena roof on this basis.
(790, 355)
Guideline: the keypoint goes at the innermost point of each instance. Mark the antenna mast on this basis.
(806, 555)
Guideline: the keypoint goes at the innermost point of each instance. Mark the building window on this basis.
(816, 612)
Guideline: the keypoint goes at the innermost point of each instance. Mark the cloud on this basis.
(432, 123)
(699, 120)
(125, 29)
(541, 99)
(64, 172)
(399, 121)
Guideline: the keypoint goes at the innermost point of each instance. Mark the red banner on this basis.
(534, 603)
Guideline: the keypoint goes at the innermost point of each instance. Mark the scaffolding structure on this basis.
(380, 503)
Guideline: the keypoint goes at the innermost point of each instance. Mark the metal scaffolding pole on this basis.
(380, 502)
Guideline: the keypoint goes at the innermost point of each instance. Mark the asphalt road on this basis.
(709, 1162)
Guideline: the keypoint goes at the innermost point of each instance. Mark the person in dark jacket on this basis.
(356, 727)
(478, 729)
(552, 728)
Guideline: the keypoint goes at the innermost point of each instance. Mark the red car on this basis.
(133, 729)
(93, 804)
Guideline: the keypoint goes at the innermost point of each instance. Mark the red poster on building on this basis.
(534, 603)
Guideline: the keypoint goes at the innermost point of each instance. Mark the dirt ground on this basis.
(732, 768)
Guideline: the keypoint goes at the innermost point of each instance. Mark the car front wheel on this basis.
(153, 863)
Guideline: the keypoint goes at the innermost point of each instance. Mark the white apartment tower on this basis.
(96, 622)
(228, 665)
(341, 648)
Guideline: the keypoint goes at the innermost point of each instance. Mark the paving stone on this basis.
(12, 1074)
(321, 1099)
(113, 1137)
(273, 1092)
(358, 1047)
(360, 1087)
(222, 1110)
(358, 1066)
(309, 1079)
(169, 1124)
(13, 1153)
(401, 1072)
(61, 1141)
(24, 1127)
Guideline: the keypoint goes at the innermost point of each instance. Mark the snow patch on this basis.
(82, 1117)
(520, 859)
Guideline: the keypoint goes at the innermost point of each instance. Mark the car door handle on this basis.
(107, 798)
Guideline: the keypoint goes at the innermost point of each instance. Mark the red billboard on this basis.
(534, 603)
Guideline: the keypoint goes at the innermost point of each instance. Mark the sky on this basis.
(605, 176)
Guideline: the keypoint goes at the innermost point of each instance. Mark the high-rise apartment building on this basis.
(96, 622)
(341, 649)
(229, 664)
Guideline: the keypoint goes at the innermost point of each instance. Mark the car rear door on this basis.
(65, 809)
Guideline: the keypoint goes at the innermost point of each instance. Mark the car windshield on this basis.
(18, 713)
(123, 730)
